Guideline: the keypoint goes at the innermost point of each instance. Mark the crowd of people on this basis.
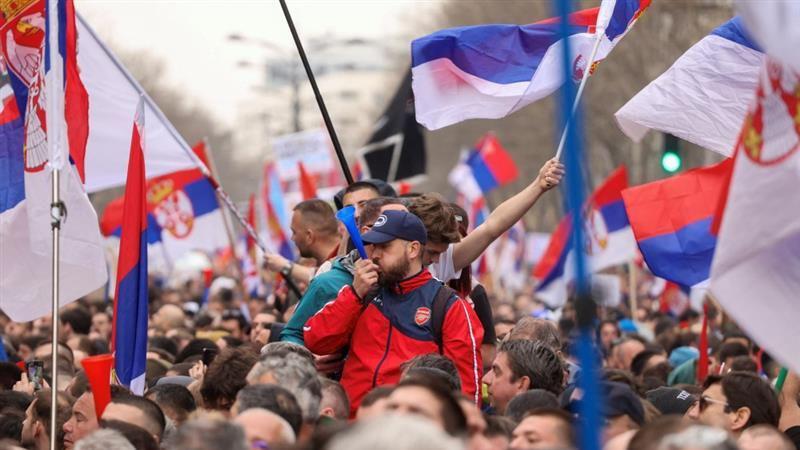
(399, 350)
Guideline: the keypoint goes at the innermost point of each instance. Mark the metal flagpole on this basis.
(226, 217)
(171, 130)
(320, 102)
(55, 140)
(603, 17)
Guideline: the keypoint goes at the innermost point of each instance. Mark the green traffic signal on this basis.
(671, 161)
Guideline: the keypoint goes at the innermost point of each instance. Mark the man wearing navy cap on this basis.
(388, 315)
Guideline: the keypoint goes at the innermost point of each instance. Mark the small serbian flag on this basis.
(609, 241)
(183, 213)
(491, 164)
(672, 219)
(130, 302)
(490, 71)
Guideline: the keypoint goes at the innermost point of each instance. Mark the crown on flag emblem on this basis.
(10, 8)
(159, 191)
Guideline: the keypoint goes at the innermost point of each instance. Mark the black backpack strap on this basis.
(438, 312)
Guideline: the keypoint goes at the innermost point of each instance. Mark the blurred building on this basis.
(355, 76)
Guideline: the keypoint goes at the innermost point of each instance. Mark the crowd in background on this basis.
(377, 354)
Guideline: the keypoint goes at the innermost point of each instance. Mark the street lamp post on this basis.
(293, 73)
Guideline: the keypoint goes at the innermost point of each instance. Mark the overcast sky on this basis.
(191, 35)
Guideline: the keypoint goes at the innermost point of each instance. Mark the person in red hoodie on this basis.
(386, 316)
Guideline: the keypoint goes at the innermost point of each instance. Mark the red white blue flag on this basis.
(130, 302)
(491, 71)
(609, 240)
(672, 219)
(42, 127)
(703, 97)
(183, 213)
(491, 165)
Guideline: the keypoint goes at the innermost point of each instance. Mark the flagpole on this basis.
(603, 19)
(53, 80)
(320, 102)
(226, 217)
(579, 94)
(243, 222)
(632, 290)
(57, 212)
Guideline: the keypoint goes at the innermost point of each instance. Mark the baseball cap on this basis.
(619, 400)
(670, 400)
(396, 225)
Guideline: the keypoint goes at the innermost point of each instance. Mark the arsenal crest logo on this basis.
(422, 316)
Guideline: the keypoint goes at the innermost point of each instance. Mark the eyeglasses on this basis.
(705, 401)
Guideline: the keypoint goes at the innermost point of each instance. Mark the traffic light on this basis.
(671, 160)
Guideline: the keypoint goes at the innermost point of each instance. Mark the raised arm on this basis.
(278, 263)
(506, 215)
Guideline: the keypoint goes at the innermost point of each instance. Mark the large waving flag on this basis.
(27, 121)
(130, 301)
(183, 213)
(756, 269)
(704, 96)
(609, 240)
(491, 71)
(672, 220)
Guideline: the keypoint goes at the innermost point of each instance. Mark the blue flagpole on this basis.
(589, 422)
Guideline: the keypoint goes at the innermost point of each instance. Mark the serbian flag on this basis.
(463, 181)
(35, 133)
(491, 165)
(129, 341)
(704, 96)
(672, 219)
(609, 240)
(277, 219)
(491, 71)
(756, 270)
(183, 213)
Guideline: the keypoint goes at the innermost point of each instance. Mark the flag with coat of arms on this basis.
(609, 240)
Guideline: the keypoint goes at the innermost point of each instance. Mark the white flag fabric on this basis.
(704, 96)
(113, 96)
(26, 254)
(756, 269)
(774, 27)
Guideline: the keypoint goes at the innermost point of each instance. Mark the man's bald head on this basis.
(169, 317)
(262, 426)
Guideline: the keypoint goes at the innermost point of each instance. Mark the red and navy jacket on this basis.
(392, 329)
